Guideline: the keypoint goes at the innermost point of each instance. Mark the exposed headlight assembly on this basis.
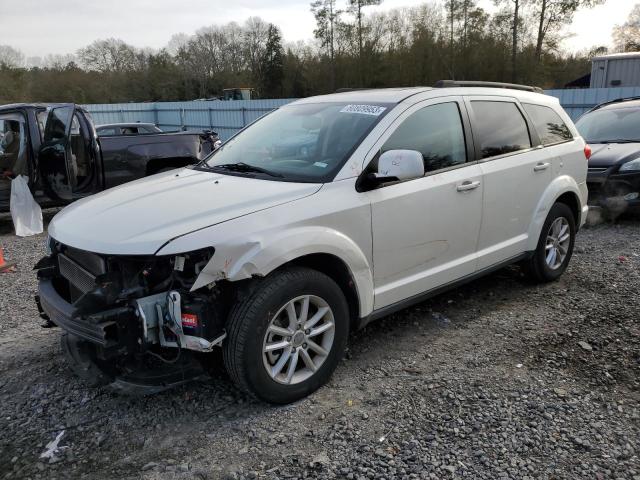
(633, 165)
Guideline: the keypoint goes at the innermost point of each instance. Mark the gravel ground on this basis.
(498, 379)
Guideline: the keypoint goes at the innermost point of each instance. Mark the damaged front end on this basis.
(132, 321)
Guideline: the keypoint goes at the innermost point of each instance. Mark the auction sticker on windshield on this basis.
(374, 110)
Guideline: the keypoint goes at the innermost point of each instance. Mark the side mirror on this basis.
(396, 165)
(393, 166)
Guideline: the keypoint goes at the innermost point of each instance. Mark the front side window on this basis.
(617, 125)
(81, 162)
(13, 147)
(304, 142)
(41, 118)
(499, 128)
(108, 131)
(436, 132)
(548, 123)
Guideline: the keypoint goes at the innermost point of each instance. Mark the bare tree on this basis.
(515, 24)
(11, 57)
(110, 55)
(553, 15)
(327, 16)
(626, 37)
(355, 8)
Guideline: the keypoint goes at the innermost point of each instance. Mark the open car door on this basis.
(55, 156)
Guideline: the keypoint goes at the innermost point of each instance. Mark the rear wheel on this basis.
(286, 338)
(555, 245)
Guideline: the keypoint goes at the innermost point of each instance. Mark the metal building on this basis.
(616, 70)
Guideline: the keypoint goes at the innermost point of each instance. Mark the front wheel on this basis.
(555, 245)
(287, 336)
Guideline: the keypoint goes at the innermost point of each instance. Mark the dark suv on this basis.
(612, 130)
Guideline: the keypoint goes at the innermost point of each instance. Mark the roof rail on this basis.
(609, 102)
(472, 83)
(355, 89)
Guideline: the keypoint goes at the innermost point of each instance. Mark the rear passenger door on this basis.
(516, 172)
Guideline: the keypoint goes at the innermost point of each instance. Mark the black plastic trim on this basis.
(63, 314)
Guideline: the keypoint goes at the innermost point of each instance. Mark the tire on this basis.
(81, 360)
(251, 325)
(537, 267)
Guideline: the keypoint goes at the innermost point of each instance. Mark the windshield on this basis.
(619, 125)
(302, 143)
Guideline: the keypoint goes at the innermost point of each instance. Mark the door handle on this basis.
(541, 166)
(468, 185)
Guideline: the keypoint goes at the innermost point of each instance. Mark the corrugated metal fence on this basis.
(227, 118)
(578, 101)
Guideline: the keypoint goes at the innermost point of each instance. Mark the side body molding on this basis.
(258, 254)
(559, 186)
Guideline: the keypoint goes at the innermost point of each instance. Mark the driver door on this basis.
(425, 230)
(67, 157)
(54, 158)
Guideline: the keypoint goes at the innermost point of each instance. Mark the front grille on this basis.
(90, 261)
(597, 169)
(77, 276)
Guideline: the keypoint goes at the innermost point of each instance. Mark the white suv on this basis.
(325, 214)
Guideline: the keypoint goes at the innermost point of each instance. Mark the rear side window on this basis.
(500, 128)
(436, 132)
(548, 123)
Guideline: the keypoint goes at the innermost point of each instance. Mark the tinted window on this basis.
(107, 132)
(500, 128)
(436, 132)
(608, 125)
(548, 123)
(57, 122)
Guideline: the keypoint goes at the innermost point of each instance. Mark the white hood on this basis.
(137, 218)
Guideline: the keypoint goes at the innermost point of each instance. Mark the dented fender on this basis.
(559, 186)
(259, 254)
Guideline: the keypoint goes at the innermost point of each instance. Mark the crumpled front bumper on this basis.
(56, 309)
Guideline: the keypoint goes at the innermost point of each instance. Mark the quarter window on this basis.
(436, 132)
(500, 128)
(548, 123)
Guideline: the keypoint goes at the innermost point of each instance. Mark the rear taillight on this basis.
(587, 152)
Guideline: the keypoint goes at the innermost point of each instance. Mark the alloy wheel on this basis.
(557, 244)
(298, 339)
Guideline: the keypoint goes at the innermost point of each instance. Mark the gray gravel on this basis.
(498, 379)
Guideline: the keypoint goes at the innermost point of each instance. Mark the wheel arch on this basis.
(336, 269)
(324, 249)
(563, 189)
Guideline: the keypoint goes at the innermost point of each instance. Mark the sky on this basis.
(40, 27)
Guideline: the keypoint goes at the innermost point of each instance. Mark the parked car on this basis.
(113, 129)
(57, 148)
(613, 131)
(273, 255)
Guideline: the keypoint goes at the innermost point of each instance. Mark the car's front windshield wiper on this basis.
(617, 140)
(245, 167)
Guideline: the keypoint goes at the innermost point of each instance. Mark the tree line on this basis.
(353, 46)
